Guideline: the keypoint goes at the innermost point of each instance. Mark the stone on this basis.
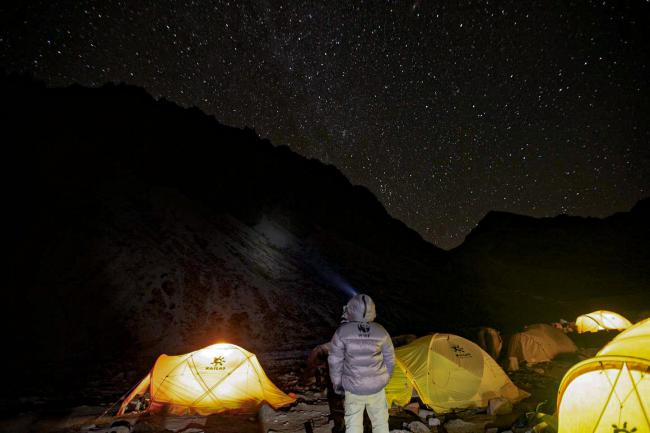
(418, 427)
(476, 425)
(413, 407)
(267, 416)
(499, 406)
(512, 364)
(145, 427)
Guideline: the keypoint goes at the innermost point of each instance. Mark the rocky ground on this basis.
(310, 412)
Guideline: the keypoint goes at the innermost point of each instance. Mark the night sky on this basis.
(444, 109)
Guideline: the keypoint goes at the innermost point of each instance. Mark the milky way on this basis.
(444, 109)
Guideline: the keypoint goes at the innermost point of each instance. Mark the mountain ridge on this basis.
(152, 207)
(136, 227)
(498, 220)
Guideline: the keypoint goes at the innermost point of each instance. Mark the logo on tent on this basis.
(623, 429)
(363, 327)
(459, 351)
(218, 363)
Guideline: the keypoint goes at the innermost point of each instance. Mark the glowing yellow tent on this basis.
(601, 320)
(611, 391)
(218, 378)
(448, 372)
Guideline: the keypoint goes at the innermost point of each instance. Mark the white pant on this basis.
(377, 409)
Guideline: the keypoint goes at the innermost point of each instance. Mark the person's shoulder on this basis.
(344, 328)
(379, 327)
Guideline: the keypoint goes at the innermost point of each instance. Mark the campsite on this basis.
(177, 277)
(408, 216)
(224, 388)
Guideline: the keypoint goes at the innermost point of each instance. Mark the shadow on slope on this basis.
(136, 227)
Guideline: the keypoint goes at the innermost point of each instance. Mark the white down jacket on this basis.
(362, 357)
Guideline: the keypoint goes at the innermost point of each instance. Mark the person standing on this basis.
(361, 361)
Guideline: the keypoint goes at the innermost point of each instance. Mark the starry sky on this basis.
(444, 109)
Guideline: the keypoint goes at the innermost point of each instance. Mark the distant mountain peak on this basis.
(503, 221)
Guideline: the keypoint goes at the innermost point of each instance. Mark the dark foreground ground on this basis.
(85, 412)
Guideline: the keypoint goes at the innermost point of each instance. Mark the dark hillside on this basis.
(135, 227)
(562, 265)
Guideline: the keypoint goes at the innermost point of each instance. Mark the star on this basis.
(444, 111)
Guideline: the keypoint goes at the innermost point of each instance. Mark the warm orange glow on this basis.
(601, 320)
(611, 391)
(218, 378)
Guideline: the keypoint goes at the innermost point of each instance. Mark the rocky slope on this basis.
(135, 227)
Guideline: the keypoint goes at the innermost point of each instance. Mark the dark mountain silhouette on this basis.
(559, 266)
(134, 227)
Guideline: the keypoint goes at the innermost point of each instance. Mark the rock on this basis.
(399, 419)
(267, 416)
(434, 422)
(512, 364)
(145, 427)
(469, 425)
(418, 427)
(492, 430)
(499, 406)
(413, 407)
(423, 413)
(121, 426)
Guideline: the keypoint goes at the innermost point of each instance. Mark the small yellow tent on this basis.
(218, 378)
(601, 320)
(611, 391)
(448, 372)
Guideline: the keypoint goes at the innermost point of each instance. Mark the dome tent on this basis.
(611, 391)
(218, 378)
(448, 372)
(538, 343)
(601, 320)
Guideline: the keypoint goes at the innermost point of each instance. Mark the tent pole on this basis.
(609, 397)
(638, 396)
(119, 400)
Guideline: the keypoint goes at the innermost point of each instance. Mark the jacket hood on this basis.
(361, 308)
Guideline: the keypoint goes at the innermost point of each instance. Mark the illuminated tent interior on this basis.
(448, 372)
(601, 320)
(538, 343)
(218, 378)
(611, 391)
